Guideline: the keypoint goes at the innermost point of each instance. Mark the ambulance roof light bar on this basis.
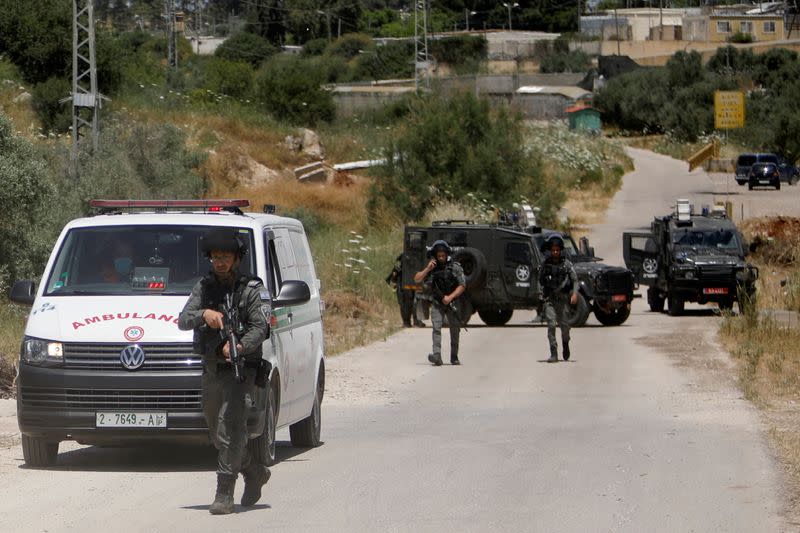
(160, 206)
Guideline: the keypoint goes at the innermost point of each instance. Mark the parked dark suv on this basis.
(789, 173)
(764, 175)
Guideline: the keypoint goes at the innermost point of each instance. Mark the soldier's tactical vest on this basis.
(443, 281)
(555, 279)
(212, 297)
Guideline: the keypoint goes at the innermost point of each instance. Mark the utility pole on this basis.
(86, 100)
(421, 44)
(510, 6)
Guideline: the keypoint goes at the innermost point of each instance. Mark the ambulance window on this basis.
(135, 259)
(303, 258)
(286, 260)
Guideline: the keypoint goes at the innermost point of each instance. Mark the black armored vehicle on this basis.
(691, 258)
(501, 265)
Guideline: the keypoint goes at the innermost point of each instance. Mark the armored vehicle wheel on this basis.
(262, 448)
(655, 300)
(495, 317)
(726, 305)
(676, 305)
(38, 451)
(578, 314)
(615, 318)
(473, 262)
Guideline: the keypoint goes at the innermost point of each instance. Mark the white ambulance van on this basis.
(103, 360)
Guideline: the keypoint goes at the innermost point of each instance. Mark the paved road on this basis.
(643, 431)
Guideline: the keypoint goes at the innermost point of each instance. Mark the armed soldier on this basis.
(444, 281)
(559, 285)
(405, 297)
(226, 401)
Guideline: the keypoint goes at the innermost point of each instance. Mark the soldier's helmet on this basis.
(223, 240)
(440, 245)
(553, 240)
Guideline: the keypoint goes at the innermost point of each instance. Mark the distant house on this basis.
(549, 103)
(584, 118)
(722, 25)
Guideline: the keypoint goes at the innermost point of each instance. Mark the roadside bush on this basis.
(348, 46)
(314, 47)
(55, 116)
(740, 38)
(230, 78)
(460, 50)
(449, 148)
(575, 61)
(26, 198)
(290, 91)
(245, 47)
(391, 61)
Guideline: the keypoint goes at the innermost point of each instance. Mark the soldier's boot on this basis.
(435, 359)
(566, 351)
(454, 359)
(255, 477)
(553, 357)
(223, 500)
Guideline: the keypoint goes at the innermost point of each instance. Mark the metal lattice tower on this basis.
(172, 34)
(421, 44)
(86, 100)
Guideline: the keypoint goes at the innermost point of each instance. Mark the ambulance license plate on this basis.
(125, 419)
(715, 290)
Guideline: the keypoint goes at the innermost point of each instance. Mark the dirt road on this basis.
(642, 431)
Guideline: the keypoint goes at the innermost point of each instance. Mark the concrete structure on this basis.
(720, 26)
(548, 103)
(635, 24)
(354, 99)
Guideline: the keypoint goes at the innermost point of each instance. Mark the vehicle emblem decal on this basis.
(650, 265)
(132, 357)
(523, 272)
(134, 333)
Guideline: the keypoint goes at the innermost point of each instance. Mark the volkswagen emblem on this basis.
(132, 357)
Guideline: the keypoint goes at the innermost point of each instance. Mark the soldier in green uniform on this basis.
(444, 281)
(226, 402)
(559, 285)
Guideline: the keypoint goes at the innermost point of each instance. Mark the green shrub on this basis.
(459, 50)
(37, 37)
(245, 47)
(289, 90)
(741, 38)
(314, 47)
(55, 116)
(452, 147)
(350, 45)
(230, 78)
(391, 61)
(575, 61)
(26, 199)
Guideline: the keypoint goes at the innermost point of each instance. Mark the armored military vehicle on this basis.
(686, 257)
(501, 264)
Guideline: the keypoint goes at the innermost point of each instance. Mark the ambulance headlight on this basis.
(41, 352)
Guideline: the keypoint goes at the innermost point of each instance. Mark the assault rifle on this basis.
(230, 334)
(443, 284)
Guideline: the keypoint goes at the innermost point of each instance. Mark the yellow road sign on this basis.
(728, 110)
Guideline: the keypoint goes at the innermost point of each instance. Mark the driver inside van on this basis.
(117, 262)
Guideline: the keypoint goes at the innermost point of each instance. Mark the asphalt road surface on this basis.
(643, 430)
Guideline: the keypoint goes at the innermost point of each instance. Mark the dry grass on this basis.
(13, 319)
(587, 207)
